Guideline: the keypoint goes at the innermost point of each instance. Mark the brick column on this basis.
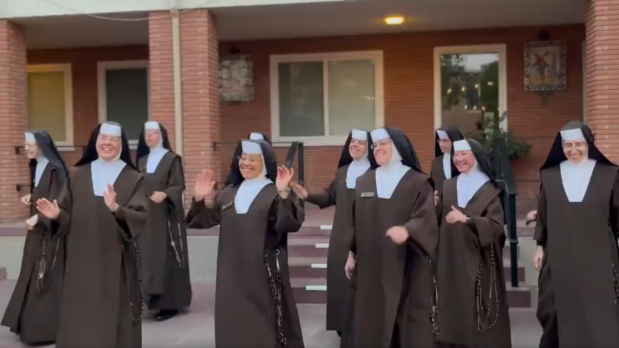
(200, 66)
(603, 74)
(200, 86)
(161, 71)
(13, 120)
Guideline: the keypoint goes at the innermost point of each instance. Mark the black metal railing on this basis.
(505, 178)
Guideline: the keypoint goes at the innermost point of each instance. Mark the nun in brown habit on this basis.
(354, 162)
(101, 210)
(472, 299)
(33, 310)
(443, 167)
(576, 232)
(254, 304)
(394, 242)
(163, 244)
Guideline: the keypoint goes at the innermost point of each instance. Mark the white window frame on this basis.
(68, 96)
(102, 68)
(500, 49)
(336, 140)
(585, 83)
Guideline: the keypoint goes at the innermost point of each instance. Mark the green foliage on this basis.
(489, 130)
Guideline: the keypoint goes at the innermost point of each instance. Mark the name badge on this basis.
(367, 194)
(227, 205)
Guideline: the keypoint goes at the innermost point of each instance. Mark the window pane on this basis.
(469, 90)
(127, 99)
(351, 96)
(301, 99)
(46, 103)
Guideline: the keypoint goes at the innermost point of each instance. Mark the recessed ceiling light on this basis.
(394, 20)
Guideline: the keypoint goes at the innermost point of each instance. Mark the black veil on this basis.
(556, 155)
(235, 177)
(346, 158)
(90, 154)
(46, 145)
(144, 150)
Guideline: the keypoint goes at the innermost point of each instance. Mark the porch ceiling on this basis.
(315, 19)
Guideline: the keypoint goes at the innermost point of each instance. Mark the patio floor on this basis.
(195, 328)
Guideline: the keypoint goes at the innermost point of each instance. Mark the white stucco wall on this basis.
(41, 8)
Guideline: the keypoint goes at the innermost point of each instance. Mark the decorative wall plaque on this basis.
(544, 66)
(236, 80)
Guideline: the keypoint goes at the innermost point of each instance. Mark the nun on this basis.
(101, 210)
(354, 162)
(165, 276)
(392, 248)
(234, 165)
(254, 304)
(576, 232)
(471, 284)
(443, 167)
(33, 310)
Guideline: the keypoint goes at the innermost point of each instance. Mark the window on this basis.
(124, 95)
(50, 102)
(585, 83)
(469, 86)
(319, 98)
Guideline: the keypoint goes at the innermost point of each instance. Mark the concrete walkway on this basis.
(195, 328)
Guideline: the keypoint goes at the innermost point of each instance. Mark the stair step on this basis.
(315, 291)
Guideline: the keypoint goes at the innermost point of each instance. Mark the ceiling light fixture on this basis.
(394, 20)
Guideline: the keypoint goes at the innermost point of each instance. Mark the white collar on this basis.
(247, 192)
(355, 169)
(469, 183)
(154, 157)
(389, 176)
(42, 162)
(104, 173)
(576, 178)
(447, 165)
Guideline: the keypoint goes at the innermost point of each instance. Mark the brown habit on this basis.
(438, 173)
(338, 286)
(466, 254)
(394, 286)
(34, 306)
(165, 276)
(98, 305)
(245, 314)
(578, 303)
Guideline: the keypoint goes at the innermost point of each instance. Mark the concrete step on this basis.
(315, 291)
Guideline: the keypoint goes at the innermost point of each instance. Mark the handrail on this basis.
(505, 179)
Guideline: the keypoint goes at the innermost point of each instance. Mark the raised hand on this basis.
(204, 185)
(299, 190)
(27, 199)
(109, 197)
(284, 176)
(48, 209)
(398, 234)
(455, 216)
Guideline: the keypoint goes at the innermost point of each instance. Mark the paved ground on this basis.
(195, 328)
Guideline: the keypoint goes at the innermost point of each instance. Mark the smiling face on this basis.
(445, 145)
(251, 165)
(383, 150)
(32, 150)
(464, 160)
(575, 150)
(357, 148)
(152, 137)
(108, 146)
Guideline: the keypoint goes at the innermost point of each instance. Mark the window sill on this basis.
(310, 142)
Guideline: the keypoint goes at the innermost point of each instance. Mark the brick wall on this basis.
(13, 118)
(409, 94)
